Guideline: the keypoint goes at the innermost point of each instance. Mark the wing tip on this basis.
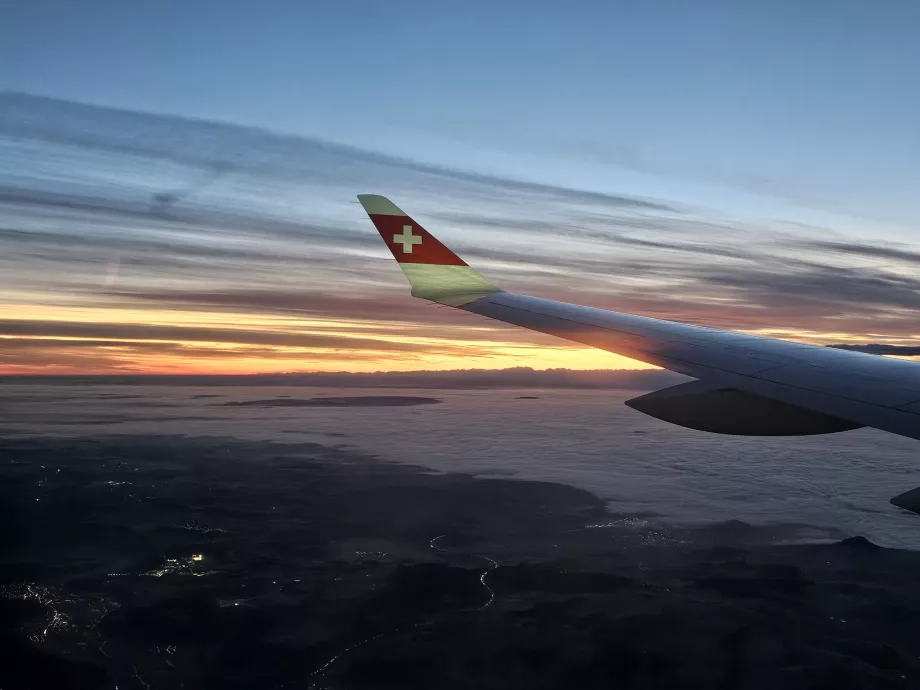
(434, 271)
(377, 205)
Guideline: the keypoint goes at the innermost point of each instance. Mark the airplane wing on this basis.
(746, 385)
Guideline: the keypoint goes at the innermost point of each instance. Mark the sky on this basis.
(177, 179)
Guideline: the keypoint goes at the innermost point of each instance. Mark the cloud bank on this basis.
(139, 242)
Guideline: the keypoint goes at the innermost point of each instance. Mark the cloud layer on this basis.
(138, 242)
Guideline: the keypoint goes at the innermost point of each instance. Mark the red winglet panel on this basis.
(411, 243)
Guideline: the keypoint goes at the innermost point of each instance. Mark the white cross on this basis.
(407, 239)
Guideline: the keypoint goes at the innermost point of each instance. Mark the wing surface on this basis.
(830, 390)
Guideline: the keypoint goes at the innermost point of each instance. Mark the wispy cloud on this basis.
(875, 251)
(191, 334)
(515, 377)
(128, 236)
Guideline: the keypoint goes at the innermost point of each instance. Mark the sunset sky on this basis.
(177, 194)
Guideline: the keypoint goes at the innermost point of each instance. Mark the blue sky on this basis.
(787, 108)
(755, 166)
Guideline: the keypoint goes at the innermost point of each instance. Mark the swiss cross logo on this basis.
(410, 243)
(407, 239)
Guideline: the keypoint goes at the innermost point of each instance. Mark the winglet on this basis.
(434, 271)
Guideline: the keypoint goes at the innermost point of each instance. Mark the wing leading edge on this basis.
(747, 385)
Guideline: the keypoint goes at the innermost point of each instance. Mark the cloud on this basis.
(11, 344)
(198, 222)
(31, 351)
(515, 378)
(605, 229)
(186, 334)
(275, 232)
(385, 315)
(822, 289)
(204, 144)
(866, 250)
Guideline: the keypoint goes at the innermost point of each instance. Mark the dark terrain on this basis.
(169, 561)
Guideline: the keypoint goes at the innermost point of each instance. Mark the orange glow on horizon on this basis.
(116, 340)
(502, 357)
